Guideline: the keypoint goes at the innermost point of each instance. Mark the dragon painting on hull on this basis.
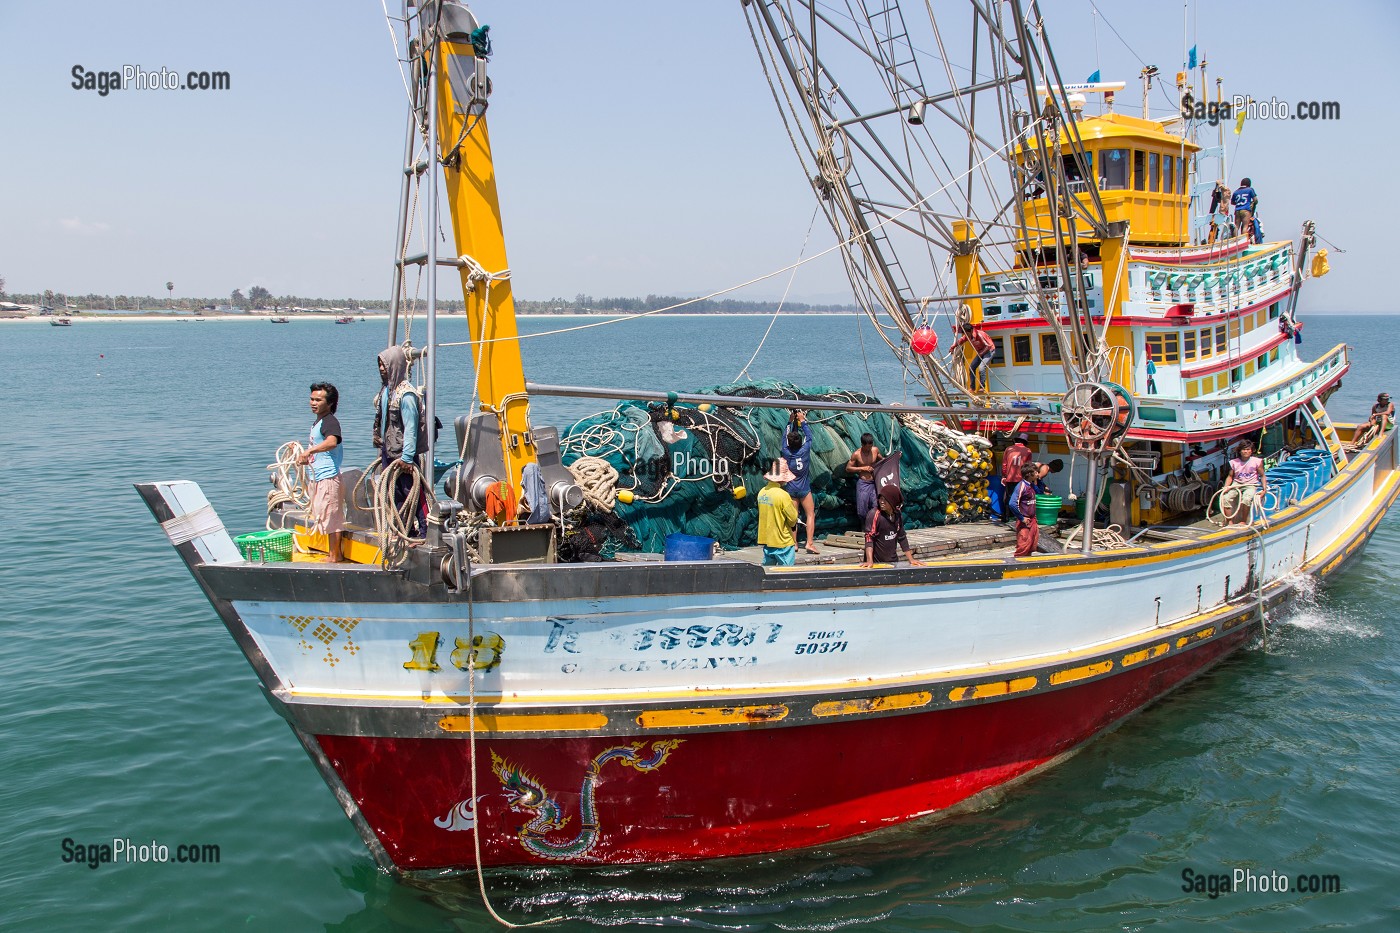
(526, 794)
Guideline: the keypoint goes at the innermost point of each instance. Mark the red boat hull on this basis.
(730, 792)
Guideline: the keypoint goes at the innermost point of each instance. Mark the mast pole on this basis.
(1087, 546)
(430, 360)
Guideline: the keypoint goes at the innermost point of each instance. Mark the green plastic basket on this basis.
(265, 546)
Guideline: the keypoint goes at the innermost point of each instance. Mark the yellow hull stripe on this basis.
(1146, 654)
(1072, 674)
(525, 722)
(711, 716)
(997, 688)
(882, 704)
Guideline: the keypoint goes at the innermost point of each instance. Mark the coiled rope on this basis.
(1105, 539)
(392, 523)
(290, 483)
(598, 480)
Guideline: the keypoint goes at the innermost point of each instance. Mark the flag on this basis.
(1239, 122)
(1094, 78)
(1191, 59)
(886, 472)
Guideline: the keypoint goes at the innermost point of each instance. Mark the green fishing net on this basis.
(697, 469)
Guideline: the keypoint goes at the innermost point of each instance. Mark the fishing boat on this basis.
(473, 701)
(345, 319)
(280, 320)
(61, 322)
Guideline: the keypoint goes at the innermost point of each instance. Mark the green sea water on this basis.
(128, 713)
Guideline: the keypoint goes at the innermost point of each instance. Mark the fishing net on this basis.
(697, 469)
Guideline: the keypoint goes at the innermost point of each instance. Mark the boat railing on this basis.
(1224, 288)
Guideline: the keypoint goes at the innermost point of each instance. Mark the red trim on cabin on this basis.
(1158, 434)
(1244, 356)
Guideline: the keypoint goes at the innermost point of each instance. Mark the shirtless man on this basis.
(862, 465)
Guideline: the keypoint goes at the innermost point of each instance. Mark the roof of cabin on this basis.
(1113, 126)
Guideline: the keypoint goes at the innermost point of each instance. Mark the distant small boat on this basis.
(345, 320)
(62, 322)
(281, 320)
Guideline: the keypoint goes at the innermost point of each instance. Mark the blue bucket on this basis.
(1282, 489)
(689, 547)
(1319, 461)
(1297, 479)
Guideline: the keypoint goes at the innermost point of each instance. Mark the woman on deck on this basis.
(1247, 475)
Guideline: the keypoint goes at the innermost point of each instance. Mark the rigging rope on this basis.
(779, 310)
(622, 319)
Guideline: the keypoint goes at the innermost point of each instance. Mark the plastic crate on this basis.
(265, 546)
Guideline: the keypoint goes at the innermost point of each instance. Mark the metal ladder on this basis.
(1316, 414)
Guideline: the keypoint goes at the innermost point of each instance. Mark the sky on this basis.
(637, 148)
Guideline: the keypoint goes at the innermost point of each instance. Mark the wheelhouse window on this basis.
(1114, 169)
(1222, 341)
(1021, 349)
(1188, 345)
(1139, 170)
(1049, 349)
(1164, 346)
(1153, 172)
(1077, 175)
(998, 351)
(1207, 350)
(1168, 174)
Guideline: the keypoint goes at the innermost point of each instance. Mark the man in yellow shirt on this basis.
(777, 518)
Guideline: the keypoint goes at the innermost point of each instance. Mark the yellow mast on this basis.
(464, 148)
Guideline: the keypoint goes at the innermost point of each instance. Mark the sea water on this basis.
(128, 713)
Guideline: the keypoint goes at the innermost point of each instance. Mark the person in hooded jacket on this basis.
(884, 530)
(398, 419)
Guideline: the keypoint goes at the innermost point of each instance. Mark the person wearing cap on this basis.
(884, 530)
(777, 518)
(1383, 412)
(1382, 420)
(1016, 456)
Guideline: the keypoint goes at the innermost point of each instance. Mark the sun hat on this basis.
(780, 473)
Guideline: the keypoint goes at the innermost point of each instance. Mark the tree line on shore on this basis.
(258, 298)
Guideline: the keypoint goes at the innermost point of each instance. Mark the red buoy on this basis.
(924, 341)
